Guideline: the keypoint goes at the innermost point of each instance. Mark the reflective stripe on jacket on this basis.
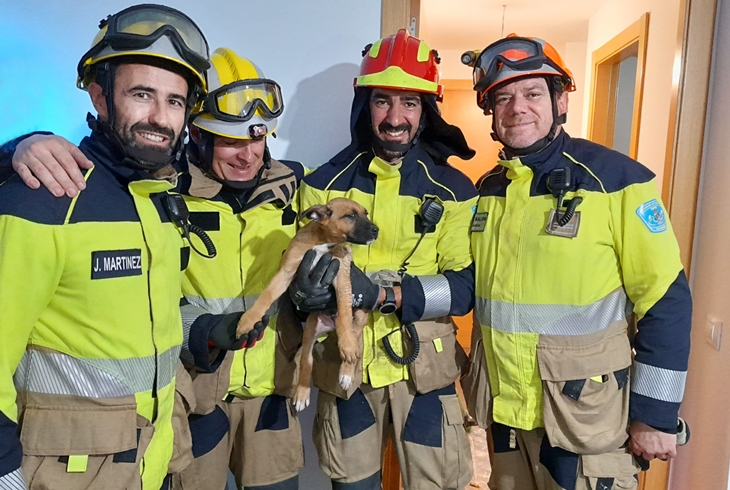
(530, 283)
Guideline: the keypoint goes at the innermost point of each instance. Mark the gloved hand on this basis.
(311, 290)
(365, 293)
(223, 333)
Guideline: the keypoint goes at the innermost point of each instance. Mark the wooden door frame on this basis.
(605, 68)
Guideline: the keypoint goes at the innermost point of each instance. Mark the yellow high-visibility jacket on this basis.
(439, 278)
(250, 237)
(532, 284)
(89, 320)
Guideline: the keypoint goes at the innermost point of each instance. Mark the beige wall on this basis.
(574, 55)
(611, 19)
(703, 463)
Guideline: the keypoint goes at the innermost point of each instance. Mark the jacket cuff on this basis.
(412, 300)
(655, 413)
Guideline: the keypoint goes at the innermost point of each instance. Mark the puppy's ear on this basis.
(317, 213)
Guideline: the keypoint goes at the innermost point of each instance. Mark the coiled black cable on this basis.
(569, 211)
(411, 328)
(207, 241)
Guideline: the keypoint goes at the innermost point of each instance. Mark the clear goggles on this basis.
(138, 27)
(238, 101)
(517, 53)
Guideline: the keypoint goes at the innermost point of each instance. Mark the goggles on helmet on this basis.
(138, 27)
(238, 101)
(516, 53)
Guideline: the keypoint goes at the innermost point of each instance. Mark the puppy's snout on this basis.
(374, 231)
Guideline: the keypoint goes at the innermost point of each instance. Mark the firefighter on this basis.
(570, 239)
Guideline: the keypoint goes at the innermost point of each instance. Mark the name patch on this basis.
(652, 214)
(479, 222)
(106, 264)
(570, 230)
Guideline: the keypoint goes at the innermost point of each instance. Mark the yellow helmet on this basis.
(148, 30)
(241, 103)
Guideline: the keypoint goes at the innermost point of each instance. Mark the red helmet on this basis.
(401, 62)
(511, 58)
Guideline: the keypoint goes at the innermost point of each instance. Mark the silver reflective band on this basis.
(221, 306)
(189, 314)
(437, 293)
(54, 373)
(13, 481)
(553, 319)
(658, 383)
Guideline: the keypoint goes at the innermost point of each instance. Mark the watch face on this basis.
(388, 308)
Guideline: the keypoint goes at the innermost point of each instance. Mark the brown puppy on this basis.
(332, 226)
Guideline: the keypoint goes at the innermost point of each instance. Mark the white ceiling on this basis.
(473, 24)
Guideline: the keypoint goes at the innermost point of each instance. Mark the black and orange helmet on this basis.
(401, 62)
(511, 58)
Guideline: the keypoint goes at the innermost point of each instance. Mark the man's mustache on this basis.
(153, 128)
(384, 126)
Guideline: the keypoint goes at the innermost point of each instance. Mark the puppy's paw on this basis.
(245, 324)
(348, 350)
(301, 398)
(345, 381)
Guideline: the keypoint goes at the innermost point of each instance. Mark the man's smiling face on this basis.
(149, 106)
(523, 111)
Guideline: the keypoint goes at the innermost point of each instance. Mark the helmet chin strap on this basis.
(542, 143)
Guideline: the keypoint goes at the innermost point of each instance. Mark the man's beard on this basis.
(390, 149)
(127, 135)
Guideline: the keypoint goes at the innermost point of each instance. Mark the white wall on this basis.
(703, 463)
(610, 20)
(311, 48)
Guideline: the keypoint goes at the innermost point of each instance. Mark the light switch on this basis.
(714, 333)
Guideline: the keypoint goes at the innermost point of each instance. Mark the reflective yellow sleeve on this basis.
(31, 264)
(645, 243)
(454, 245)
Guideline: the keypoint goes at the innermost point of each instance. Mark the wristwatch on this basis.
(388, 305)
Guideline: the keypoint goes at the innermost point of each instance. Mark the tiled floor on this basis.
(480, 456)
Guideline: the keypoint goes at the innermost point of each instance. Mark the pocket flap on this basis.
(65, 431)
(572, 358)
(435, 329)
(452, 410)
(609, 465)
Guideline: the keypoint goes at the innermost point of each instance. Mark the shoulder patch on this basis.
(653, 216)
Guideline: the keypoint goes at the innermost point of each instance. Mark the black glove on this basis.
(365, 293)
(311, 288)
(223, 333)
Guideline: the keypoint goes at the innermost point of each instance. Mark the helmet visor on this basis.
(239, 101)
(140, 26)
(515, 52)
